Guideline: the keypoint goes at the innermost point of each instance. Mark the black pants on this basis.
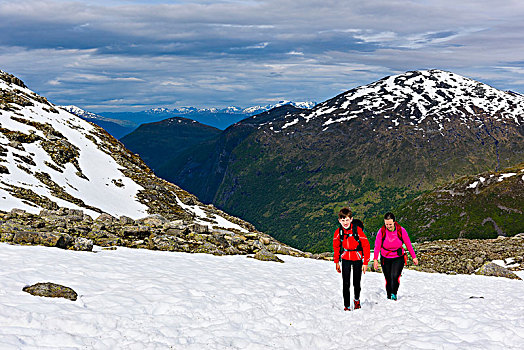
(347, 265)
(392, 269)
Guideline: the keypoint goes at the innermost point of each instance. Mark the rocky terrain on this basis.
(72, 229)
(465, 256)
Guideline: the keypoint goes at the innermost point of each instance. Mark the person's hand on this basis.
(337, 266)
(415, 260)
(375, 264)
(364, 268)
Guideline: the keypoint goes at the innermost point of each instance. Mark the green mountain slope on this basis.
(487, 205)
(375, 148)
(158, 142)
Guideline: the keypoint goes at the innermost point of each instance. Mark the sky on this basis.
(127, 55)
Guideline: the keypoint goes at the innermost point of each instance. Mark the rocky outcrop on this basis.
(51, 290)
(492, 269)
(72, 229)
(466, 256)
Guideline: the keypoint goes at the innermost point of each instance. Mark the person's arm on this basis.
(365, 248)
(407, 242)
(336, 249)
(376, 250)
(378, 245)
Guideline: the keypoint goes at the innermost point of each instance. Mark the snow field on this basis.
(140, 299)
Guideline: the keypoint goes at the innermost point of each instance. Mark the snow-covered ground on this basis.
(140, 299)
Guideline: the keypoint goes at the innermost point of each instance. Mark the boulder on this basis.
(25, 237)
(265, 255)
(83, 244)
(125, 220)
(154, 220)
(492, 269)
(50, 239)
(51, 290)
(104, 217)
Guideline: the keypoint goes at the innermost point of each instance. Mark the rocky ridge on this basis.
(73, 229)
(466, 256)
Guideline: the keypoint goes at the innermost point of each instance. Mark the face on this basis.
(390, 224)
(345, 222)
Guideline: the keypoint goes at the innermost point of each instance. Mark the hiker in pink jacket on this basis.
(389, 241)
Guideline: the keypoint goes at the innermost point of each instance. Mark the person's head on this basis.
(345, 216)
(389, 221)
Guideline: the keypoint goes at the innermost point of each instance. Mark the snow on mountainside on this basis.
(415, 96)
(50, 158)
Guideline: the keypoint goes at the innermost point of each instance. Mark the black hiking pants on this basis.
(347, 266)
(392, 269)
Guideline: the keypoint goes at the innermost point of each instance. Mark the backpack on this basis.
(399, 234)
(355, 223)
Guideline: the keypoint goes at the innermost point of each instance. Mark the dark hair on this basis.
(344, 213)
(389, 216)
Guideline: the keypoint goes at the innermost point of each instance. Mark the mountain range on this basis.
(374, 148)
(120, 124)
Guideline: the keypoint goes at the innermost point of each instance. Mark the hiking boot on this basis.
(357, 304)
(393, 297)
(347, 309)
(389, 295)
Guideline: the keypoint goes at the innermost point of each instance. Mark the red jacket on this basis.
(350, 243)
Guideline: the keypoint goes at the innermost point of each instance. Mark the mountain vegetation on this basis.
(373, 148)
(159, 142)
(486, 205)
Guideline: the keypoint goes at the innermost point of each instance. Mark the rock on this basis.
(265, 255)
(18, 211)
(125, 220)
(265, 240)
(83, 244)
(492, 269)
(75, 212)
(51, 290)
(25, 237)
(135, 231)
(6, 236)
(478, 260)
(197, 228)
(104, 217)
(154, 220)
(52, 240)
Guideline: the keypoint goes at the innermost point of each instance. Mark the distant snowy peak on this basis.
(418, 97)
(232, 109)
(259, 109)
(81, 112)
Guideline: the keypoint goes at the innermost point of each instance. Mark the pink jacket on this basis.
(391, 244)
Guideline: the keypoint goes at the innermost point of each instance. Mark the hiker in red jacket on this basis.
(389, 241)
(350, 245)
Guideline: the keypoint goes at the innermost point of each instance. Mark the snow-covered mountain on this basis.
(120, 124)
(418, 97)
(234, 109)
(374, 147)
(50, 158)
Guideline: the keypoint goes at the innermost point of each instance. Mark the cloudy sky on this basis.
(127, 55)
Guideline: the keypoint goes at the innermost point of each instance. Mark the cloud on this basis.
(211, 53)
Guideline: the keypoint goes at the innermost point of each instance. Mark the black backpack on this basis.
(354, 232)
